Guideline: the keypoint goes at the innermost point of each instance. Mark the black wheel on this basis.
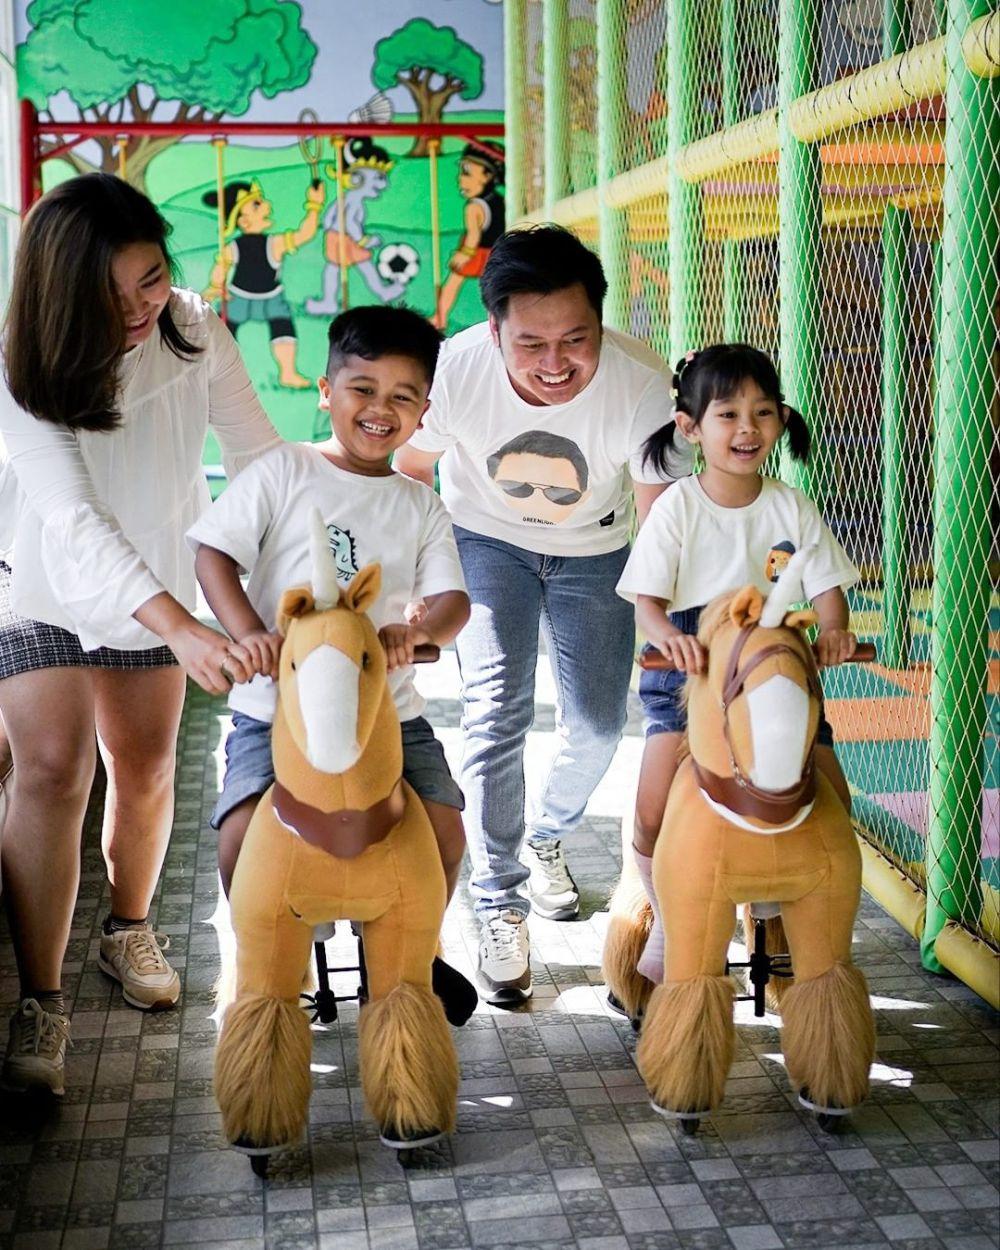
(405, 1157)
(259, 1165)
(689, 1126)
(828, 1123)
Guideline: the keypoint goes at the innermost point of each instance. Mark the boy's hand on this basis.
(686, 652)
(835, 646)
(264, 649)
(399, 641)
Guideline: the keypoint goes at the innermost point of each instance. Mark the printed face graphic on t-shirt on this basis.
(541, 476)
(777, 560)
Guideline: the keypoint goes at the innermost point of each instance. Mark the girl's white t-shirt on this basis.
(261, 520)
(690, 549)
(555, 479)
(93, 523)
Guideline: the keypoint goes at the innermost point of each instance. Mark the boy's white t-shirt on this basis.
(261, 520)
(691, 549)
(585, 452)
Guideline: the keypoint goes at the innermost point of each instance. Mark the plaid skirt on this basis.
(26, 645)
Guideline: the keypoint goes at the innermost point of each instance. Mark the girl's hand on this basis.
(399, 641)
(835, 646)
(686, 652)
(209, 658)
(264, 649)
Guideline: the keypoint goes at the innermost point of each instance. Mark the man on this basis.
(541, 417)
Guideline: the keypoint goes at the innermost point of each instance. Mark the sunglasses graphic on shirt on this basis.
(563, 495)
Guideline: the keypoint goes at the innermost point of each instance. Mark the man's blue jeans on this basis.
(590, 635)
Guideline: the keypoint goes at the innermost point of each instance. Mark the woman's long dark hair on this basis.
(65, 328)
(718, 372)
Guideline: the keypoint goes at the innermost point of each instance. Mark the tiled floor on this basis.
(556, 1144)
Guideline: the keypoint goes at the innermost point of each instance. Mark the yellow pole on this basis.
(433, 146)
(338, 147)
(220, 218)
(123, 157)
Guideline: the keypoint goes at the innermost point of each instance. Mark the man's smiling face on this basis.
(551, 344)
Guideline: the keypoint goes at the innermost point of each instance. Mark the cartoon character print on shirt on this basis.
(541, 476)
(344, 553)
(777, 559)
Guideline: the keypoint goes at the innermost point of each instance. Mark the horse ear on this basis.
(803, 619)
(364, 588)
(746, 606)
(294, 603)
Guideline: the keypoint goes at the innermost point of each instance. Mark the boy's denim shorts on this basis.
(661, 692)
(249, 770)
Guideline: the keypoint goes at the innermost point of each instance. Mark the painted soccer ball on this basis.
(398, 262)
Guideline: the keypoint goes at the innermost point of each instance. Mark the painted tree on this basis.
(433, 64)
(186, 61)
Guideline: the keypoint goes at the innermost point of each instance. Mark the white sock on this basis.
(651, 961)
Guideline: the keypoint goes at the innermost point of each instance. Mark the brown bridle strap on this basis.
(738, 793)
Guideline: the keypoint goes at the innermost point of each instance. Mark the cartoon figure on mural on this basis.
(480, 175)
(365, 177)
(253, 291)
(543, 476)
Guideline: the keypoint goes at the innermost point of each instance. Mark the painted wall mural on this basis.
(286, 266)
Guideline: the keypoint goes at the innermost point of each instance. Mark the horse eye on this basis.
(364, 659)
(293, 666)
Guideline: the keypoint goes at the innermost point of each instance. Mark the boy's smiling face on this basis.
(374, 407)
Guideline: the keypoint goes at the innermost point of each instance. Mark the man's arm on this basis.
(646, 494)
(416, 464)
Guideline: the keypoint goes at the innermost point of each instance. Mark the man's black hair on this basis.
(375, 330)
(545, 444)
(538, 261)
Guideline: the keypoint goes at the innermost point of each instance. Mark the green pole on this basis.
(962, 489)
(684, 211)
(800, 212)
(555, 31)
(732, 260)
(896, 461)
(514, 94)
(611, 141)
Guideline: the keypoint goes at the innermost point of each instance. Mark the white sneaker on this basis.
(36, 1049)
(503, 973)
(551, 890)
(135, 958)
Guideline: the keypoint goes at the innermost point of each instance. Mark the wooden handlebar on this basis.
(426, 653)
(656, 661)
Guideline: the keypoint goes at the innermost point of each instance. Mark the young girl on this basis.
(713, 532)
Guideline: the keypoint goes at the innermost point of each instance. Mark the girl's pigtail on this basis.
(799, 438)
(660, 451)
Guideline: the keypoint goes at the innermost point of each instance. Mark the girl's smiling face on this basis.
(142, 280)
(737, 433)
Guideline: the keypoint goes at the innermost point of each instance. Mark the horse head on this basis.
(753, 715)
(333, 670)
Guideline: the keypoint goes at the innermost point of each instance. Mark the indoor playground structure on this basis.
(829, 191)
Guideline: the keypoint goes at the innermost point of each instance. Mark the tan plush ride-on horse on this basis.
(750, 819)
(338, 836)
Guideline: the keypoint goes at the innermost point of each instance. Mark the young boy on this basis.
(379, 371)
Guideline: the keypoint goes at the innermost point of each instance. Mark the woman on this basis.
(113, 378)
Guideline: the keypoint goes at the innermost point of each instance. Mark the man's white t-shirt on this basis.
(261, 520)
(555, 478)
(691, 549)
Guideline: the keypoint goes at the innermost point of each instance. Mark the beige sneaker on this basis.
(36, 1049)
(135, 958)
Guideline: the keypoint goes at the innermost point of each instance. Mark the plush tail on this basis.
(409, 1069)
(686, 1046)
(828, 1036)
(262, 1078)
(628, 928)
(776, 943)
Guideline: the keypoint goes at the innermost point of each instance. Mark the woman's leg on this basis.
(49, 717)
(138, 713)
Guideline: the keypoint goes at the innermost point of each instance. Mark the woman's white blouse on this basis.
(99, 518)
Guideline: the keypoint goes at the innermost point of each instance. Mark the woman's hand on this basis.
(264, 649)
(835, 646)
(398, 642)
(209, 658)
